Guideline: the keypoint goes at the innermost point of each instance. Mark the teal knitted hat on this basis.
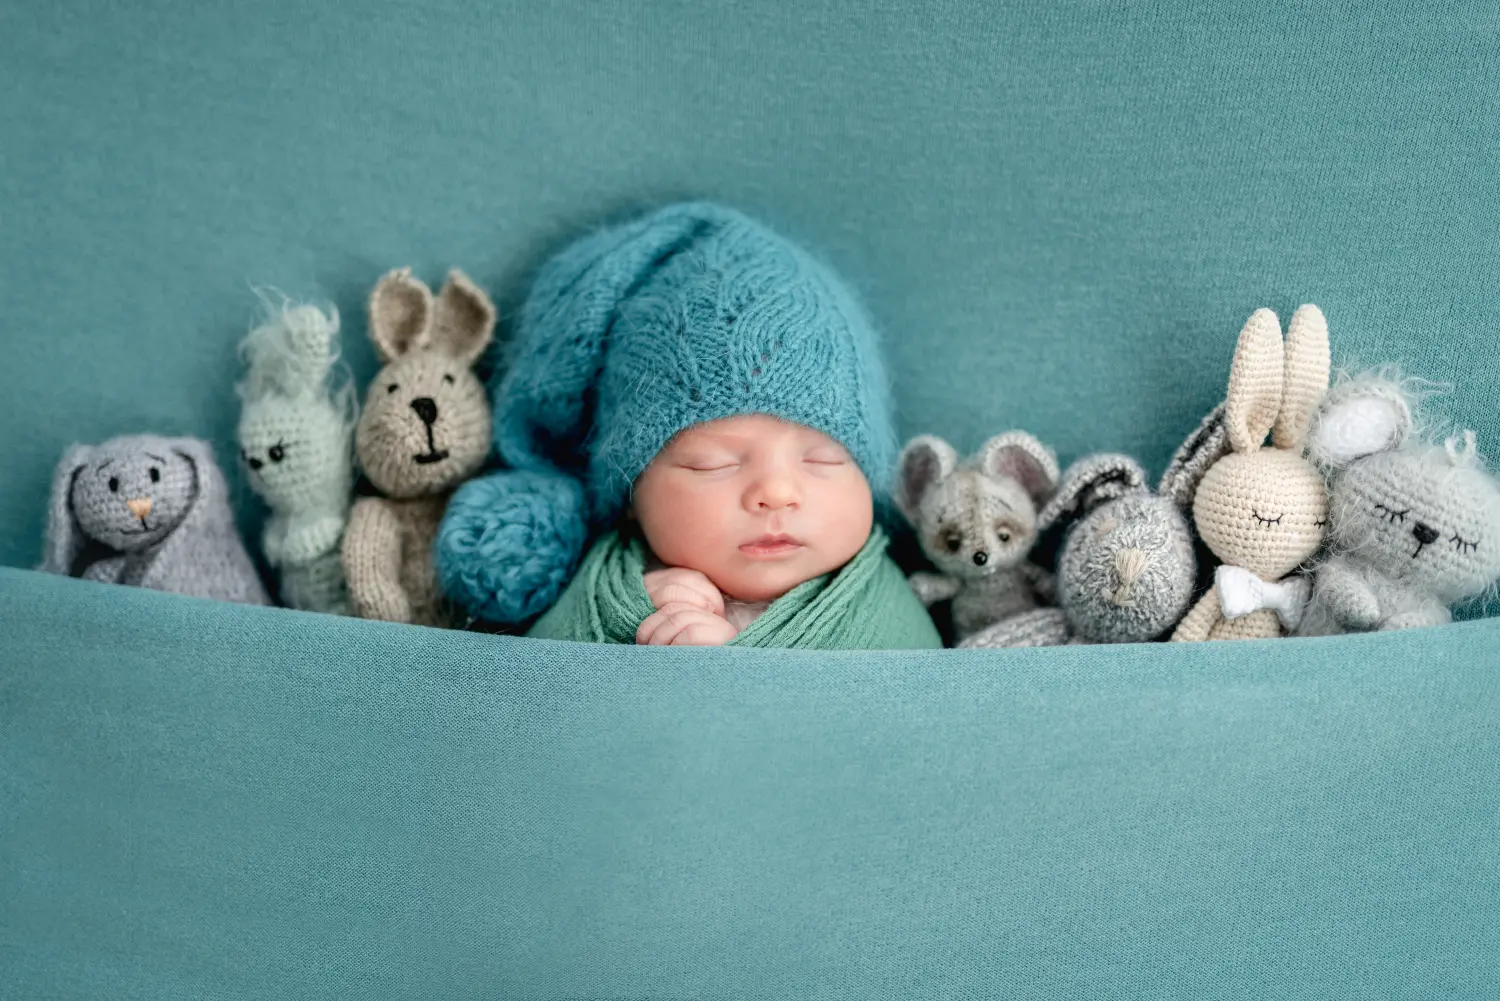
(628, 336)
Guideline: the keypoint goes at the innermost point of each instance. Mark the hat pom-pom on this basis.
(509, 543)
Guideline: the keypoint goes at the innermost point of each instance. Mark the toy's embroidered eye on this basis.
(1320, 523)
(1003, 533)
(1463, 545)
(1267, 521)
(155, 475)
(277, 452)
(391, 388)
(1391, 514)
(114, 484)
(952, 541)
(448, 379)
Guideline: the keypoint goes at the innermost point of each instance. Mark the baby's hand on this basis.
(678, 623)
(676, 584)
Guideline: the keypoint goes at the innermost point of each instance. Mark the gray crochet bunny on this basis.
(149, 511)
(977, 522)
(1126, 569)
(424, 430)
(1414, 527)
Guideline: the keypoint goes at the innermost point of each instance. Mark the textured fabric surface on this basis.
(1058, 215)
(235, 802)
(866, 605)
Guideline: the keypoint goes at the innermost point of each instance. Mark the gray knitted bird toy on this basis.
(1414, 527)
(977, 522)
(149, 511)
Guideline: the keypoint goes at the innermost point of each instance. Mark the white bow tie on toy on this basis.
(1241, 592)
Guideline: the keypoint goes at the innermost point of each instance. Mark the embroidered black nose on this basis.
(981, 558)
(1425, 533)
(425, 408)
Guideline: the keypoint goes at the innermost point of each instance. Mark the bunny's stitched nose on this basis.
(140, 507)
(1425, 533)
(981, 558)
(425, 408)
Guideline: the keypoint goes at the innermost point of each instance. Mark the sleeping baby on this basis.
(706, 401)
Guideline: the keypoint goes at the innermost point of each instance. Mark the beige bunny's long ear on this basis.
(1307, 367)
(400, 314)
(463, 319)
(1255, 382)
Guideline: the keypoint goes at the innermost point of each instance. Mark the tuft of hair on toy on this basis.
(294, 352)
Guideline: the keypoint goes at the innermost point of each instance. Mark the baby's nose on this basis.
(140, 507)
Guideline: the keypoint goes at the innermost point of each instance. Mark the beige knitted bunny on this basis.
(425, 429)
(1264, 511)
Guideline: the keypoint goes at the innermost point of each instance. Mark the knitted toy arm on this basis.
(1196, 625)
(1347, 597)
(372, 562)
(1428, 614)
(932, 588)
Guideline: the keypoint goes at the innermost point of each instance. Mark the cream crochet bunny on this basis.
(425, 429)
(1263, 511)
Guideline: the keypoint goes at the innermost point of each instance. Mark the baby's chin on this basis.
(763, 581)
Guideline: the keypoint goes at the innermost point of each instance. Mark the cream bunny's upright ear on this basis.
(463, 319)
(64, 539)
(1020, 456)
(400, 314)
(1306, 380)
(925, 460)
(1255, 382)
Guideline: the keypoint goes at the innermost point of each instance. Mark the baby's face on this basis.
(754, 503)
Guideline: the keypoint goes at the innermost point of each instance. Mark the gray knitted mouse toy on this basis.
(977, 522)
(1414, 527)
(148, 511)
(1126, 569)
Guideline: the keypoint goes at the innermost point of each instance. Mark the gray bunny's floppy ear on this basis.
(64, 538)
(1209, 443)
(1089, 482)
(1020, 456)
(925, 460)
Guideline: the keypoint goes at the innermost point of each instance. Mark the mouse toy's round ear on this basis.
(1019, 456)
(924, 461)
(1362, 416)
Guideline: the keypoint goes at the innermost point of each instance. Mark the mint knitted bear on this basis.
(296, 436)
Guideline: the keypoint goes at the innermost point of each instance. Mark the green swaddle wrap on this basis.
(866, 605)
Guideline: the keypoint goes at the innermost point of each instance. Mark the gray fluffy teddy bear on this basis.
(149, 511)
(1415, 527)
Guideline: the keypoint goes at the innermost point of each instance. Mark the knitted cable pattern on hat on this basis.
(628, 336)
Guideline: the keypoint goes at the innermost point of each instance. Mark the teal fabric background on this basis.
(1060, 214)
(251, 803)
